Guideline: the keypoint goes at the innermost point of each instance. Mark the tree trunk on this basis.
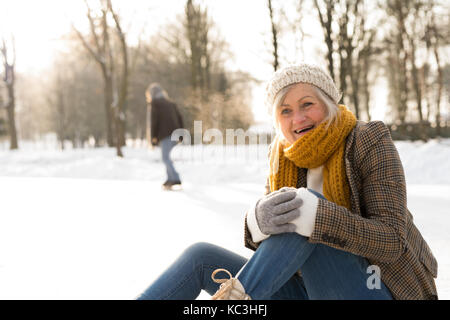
(197, 29)
(403, 58)
(440, 88)
(327, 30)
(274, 36)
(109, 118)
(123, 89)
(61, 115)
(102, 53)
(9, 80)
(435, 45)
(365, 85)
(355, 89)
(417, 90)
(12, 120)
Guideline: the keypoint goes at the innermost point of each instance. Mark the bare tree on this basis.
(120, 104)
(433, 39)
(326, 19)
(2, 120)
(345, 46)
(203, 49)
(275, 32)
(398, 56)
(197, 28)
(203, 88)
(414, 41)
(60, 113)
(349, 42)
(356, 49)
(365, 65)
(416, 31)
(9, 61)
(99, 47)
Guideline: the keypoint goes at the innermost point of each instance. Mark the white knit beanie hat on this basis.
(305, 73)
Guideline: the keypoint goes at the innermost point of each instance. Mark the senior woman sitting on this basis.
(333, 223)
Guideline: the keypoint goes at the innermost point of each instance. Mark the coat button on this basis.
(325, 237)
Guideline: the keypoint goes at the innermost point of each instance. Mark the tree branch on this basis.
(87, 46)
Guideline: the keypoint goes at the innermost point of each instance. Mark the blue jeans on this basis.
(166, 147)
(271, 273)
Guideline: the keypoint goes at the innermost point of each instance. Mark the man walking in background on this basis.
(165, 118)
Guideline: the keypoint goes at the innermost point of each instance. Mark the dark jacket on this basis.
(379, 225)
(165, 118)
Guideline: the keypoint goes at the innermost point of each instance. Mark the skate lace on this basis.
(227, 285)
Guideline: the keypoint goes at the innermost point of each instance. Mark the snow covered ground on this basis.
(83, 224)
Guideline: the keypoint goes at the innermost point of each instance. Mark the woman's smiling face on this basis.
(300, 112)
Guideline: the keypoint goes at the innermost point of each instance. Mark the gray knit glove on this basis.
(276, 210)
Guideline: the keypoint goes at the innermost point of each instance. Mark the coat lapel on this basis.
(348, 158)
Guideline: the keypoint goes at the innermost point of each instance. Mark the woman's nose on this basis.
(298, 117)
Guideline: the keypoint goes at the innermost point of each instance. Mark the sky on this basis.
(37, 29)
(38, 25)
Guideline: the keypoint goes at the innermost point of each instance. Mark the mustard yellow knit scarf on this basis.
(321, 146)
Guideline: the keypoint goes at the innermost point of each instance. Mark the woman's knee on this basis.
(287, 237)
(199, 251)
(285, 241)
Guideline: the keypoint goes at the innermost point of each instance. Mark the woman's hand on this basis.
(275, 211)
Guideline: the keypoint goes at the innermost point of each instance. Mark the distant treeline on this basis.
(95, 89)
(419, 131)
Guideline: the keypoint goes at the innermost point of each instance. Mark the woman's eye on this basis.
(307, 104)
(285, 111)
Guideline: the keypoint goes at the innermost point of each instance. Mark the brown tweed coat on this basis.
(379, 225)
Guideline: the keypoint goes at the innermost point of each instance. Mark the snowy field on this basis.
(83, 224)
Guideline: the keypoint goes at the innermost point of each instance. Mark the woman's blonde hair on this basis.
(332, 109)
